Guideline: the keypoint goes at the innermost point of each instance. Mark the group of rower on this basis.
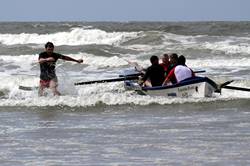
(172, 70)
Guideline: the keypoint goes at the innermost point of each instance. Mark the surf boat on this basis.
(193, 87)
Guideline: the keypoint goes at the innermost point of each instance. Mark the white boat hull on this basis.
(197, 87)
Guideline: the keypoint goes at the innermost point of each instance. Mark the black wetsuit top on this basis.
(156, 75)
(48, 68)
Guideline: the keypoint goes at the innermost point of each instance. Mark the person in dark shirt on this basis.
(154, 73)
(47, 61)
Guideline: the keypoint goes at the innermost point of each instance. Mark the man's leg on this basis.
(53, 86)
(40, 90)
(42, 86)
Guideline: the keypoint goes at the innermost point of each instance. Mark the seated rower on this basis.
(154, 75)
(165, 63)
(179, 73)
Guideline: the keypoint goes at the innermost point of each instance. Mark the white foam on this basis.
(98, 67)
(77, 36)
(227, 47)
(225, 44)
(25, 62)
(220, 63)
(94, 94)
(101, 61)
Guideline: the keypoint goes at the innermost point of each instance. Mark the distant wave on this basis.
(226, 44)
(77, 36)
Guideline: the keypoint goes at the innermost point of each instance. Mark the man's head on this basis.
(173, 58)
(165, 58)
(154, 60)
(49, 46)
(181, 60)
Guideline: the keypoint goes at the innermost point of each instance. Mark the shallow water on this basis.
(178, 134)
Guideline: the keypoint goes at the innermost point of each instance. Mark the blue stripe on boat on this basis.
(183, 83)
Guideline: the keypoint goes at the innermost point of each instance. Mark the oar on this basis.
(236, 88)
(107, 80)
(225, 86)
(200, 71)
(27, 88)
(131, 75)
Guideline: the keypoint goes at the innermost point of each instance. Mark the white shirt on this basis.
(182, 73)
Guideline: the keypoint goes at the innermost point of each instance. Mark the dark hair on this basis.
(165, 55)
(181, 60)
(153, 59)
(174, 56)
(49, 44)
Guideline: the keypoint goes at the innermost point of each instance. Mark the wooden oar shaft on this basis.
(200, 71)
(236, 88)
(121, 78)
(108, 80)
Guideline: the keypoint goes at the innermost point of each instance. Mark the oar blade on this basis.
(27, 88)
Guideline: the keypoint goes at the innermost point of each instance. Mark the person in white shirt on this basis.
(179, 73)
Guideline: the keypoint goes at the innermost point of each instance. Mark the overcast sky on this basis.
(125, 10)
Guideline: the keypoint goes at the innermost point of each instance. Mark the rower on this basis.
(165, 63)
(179, 73)
(154, 75)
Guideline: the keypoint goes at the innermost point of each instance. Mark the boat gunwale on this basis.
(188, 81)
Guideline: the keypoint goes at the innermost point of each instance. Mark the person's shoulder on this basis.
(43, 53)
(55, 53)
(58, 55)
(181, 68)
(159, 66)
(164, 65)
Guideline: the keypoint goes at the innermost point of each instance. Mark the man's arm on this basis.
(43, 60)
(67, 58)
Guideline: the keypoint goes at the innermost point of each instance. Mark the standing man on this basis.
(47, 61)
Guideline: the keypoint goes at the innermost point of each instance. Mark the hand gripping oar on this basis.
(108, 80)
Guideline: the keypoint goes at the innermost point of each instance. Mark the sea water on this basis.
(102, 124)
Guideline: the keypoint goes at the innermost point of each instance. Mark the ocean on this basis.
(102, 124)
